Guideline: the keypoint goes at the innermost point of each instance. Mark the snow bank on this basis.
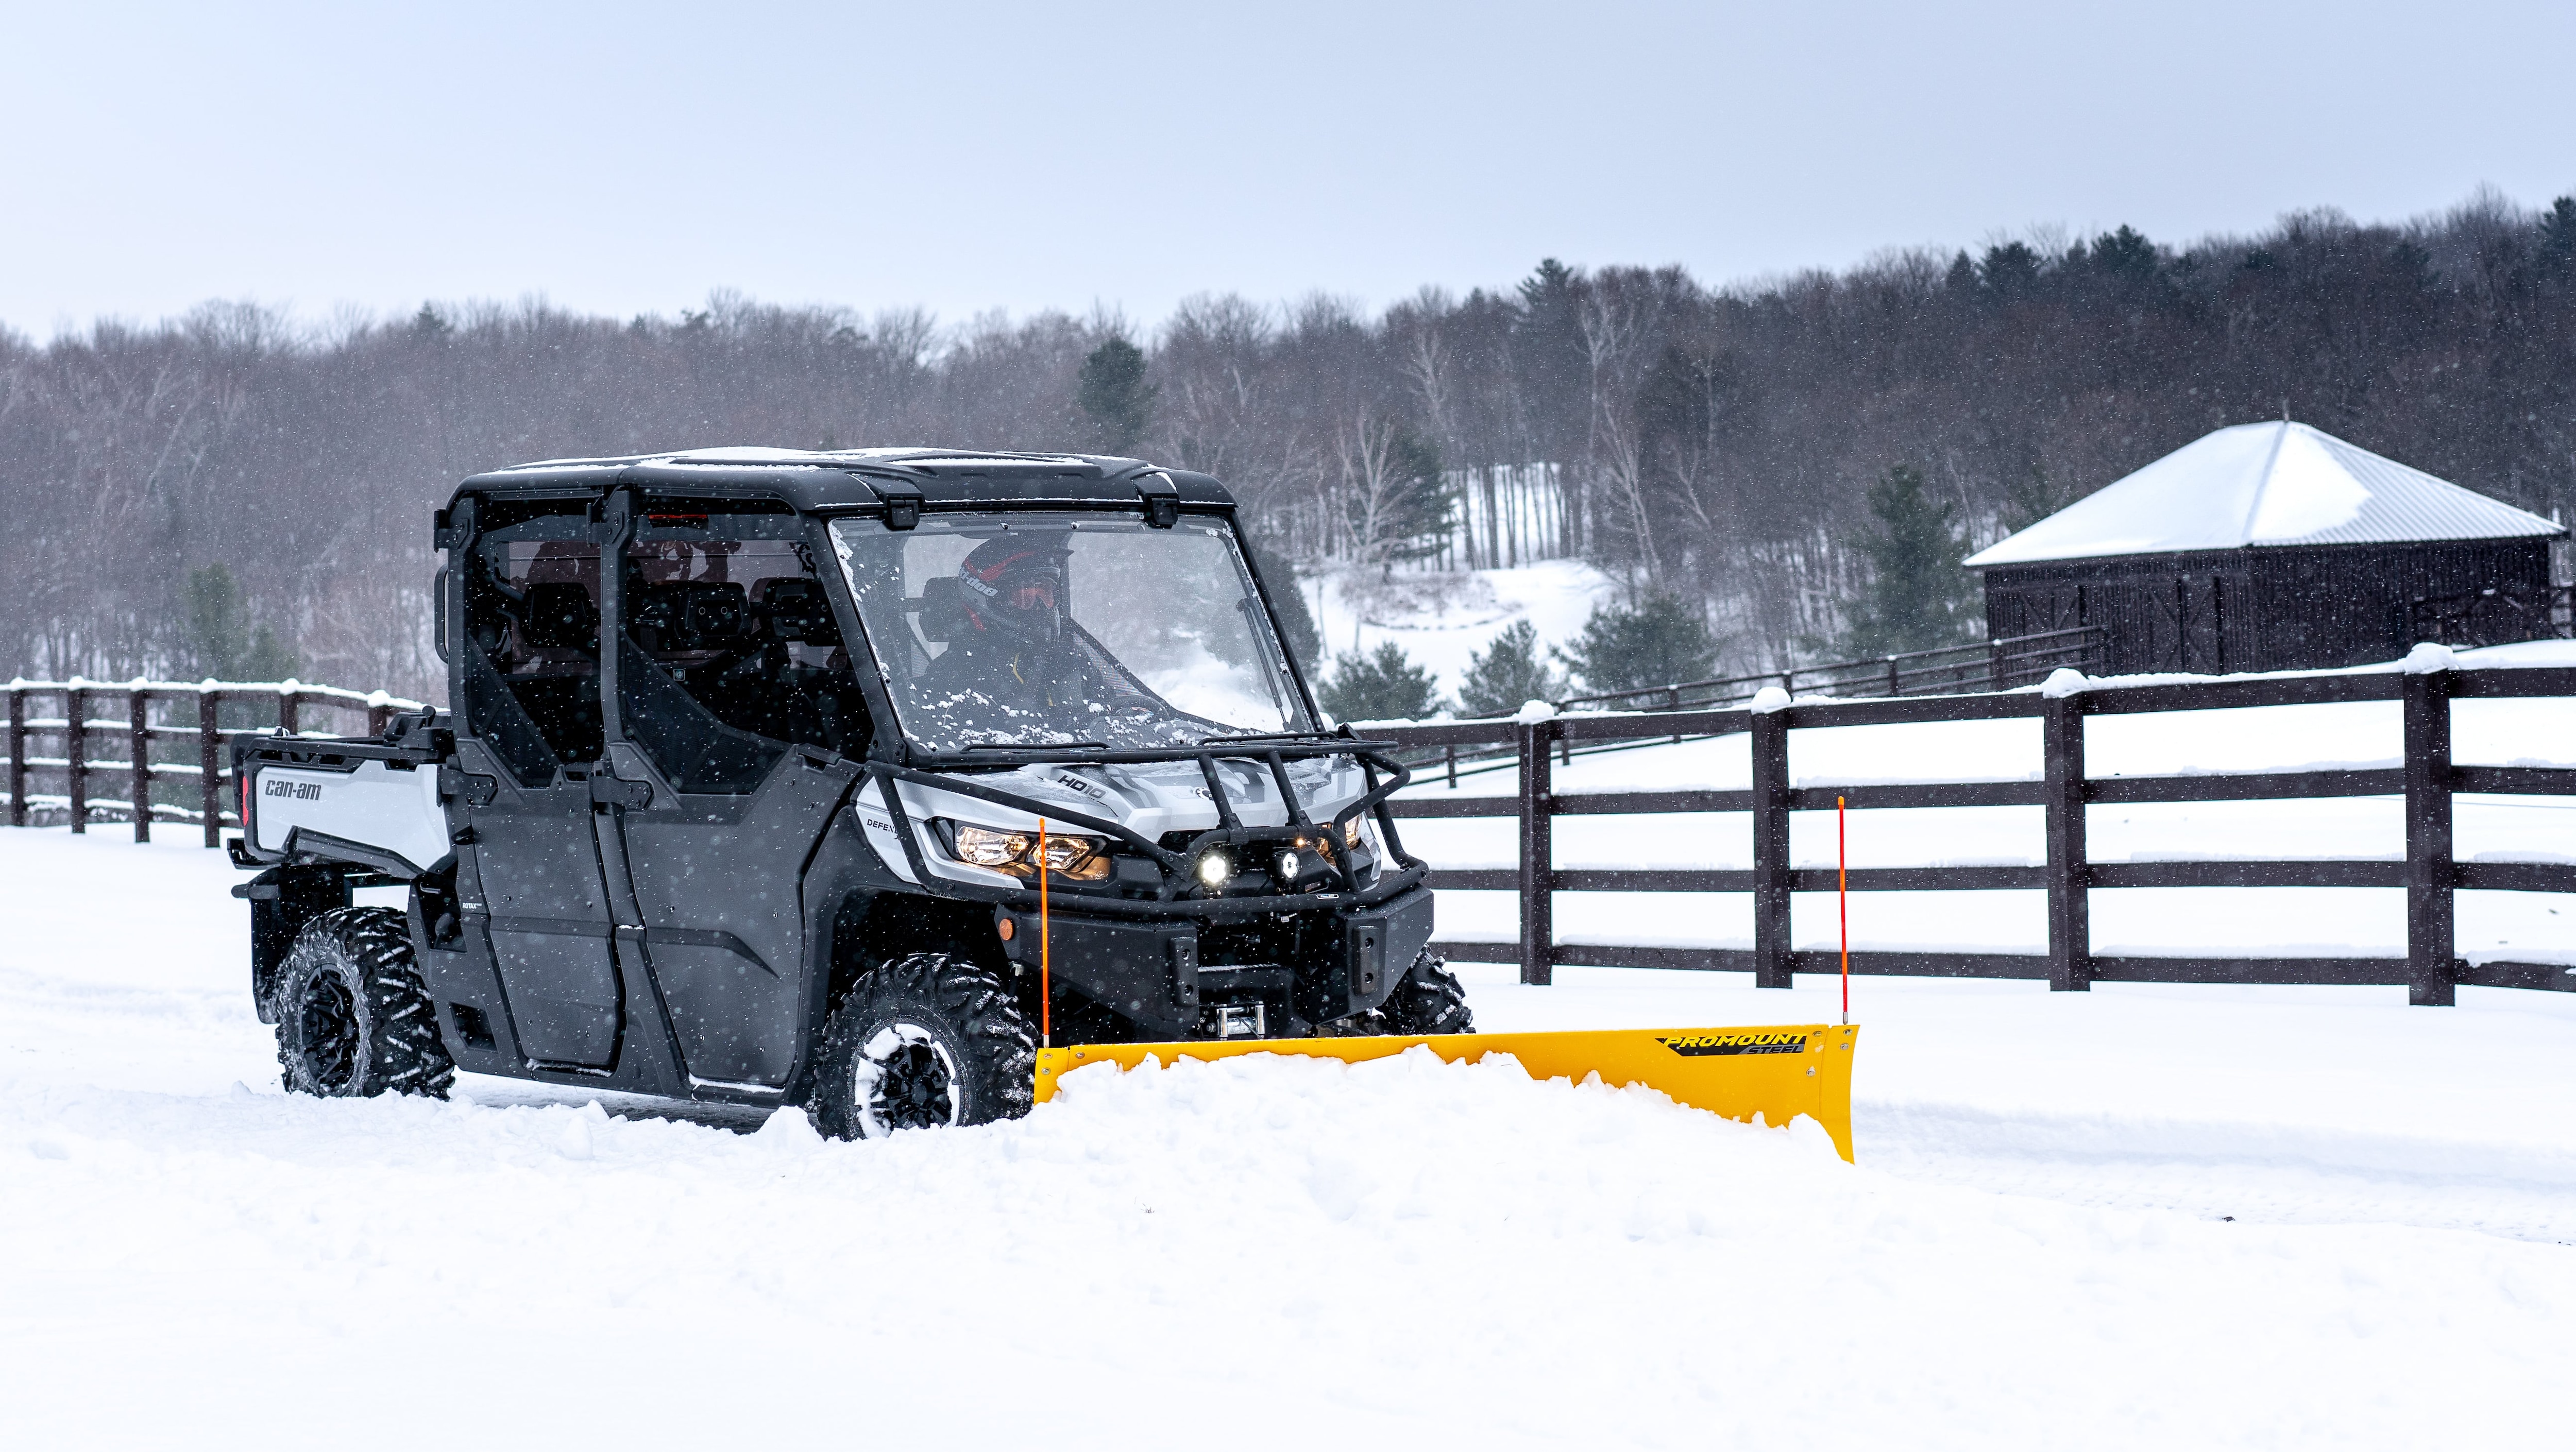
(1396, 1251)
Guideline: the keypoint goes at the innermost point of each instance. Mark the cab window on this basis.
(730, 651)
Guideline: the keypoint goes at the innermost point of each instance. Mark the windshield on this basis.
(1037, 630)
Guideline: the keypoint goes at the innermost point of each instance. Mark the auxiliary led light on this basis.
(1214, 869)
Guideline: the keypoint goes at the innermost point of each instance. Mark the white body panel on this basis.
(393, 811)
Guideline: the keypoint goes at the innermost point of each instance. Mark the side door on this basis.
(737, 705)
(530, 693)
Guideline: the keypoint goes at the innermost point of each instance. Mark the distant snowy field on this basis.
(1444, 619)
(2145, 1216)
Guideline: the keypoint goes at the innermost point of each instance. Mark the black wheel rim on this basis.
(906, 1080)
(328, 1024)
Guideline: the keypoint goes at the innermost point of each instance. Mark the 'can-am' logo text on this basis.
(302, 791)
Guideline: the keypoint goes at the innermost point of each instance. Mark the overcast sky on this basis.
(631, 157)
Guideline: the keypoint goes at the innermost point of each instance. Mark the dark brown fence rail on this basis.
(1991, 665)
(2497, 615)
(169, 746)
(2430, 970)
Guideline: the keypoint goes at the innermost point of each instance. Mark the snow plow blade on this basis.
(1779, 1071)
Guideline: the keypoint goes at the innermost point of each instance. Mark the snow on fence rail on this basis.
(76, 728)
(2427, 780)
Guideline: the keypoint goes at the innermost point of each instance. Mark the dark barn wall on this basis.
(2340, 605)
(2301, 608)
(2173, 612)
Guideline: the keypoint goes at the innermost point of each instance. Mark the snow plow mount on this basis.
(1776, 1071)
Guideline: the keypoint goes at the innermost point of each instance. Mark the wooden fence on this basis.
(1991, 665)
(2427, 781)
(152, 717)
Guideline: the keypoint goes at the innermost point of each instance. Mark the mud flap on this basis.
(1778, 1072)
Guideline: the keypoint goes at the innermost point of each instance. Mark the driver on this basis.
(1011, 650)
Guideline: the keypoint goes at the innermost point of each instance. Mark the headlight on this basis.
(1083, 859)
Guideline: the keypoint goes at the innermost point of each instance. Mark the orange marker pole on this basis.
(1046, 991)
(1842, 903)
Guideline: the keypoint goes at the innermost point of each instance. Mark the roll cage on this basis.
(900, 490)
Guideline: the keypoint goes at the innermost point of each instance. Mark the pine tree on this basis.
(1661, 640)
(1509, 673)
(218, 631)
(1918, 594)
(2556, 254)
(1115, 397)
(2010, 270)
(219, 642)
(1424, 511)
(1383, 686)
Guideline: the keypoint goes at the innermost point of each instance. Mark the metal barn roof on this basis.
(2264, 485)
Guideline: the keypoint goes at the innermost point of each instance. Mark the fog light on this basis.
(1287, 867)
(1214, 869)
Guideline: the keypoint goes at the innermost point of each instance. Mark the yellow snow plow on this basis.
(1779, 1071)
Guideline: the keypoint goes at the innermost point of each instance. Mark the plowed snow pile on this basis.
(1259, 1253)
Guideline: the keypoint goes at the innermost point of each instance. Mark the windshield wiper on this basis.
(1263, 736)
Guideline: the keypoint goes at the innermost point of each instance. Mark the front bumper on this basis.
(1334, 962)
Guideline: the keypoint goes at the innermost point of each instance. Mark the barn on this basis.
(2270, 546)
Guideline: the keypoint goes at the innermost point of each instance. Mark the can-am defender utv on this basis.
(756, 760)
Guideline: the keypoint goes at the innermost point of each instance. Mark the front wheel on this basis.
(927, 1041)
(1430, 1000)
(353, 1017)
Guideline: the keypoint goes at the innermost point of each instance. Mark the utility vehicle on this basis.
(835, 779)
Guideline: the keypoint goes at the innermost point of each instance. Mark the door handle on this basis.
(608, 791)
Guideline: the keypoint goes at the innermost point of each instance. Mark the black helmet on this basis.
(1015, 585)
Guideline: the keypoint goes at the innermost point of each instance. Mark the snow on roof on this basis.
(2262, 485)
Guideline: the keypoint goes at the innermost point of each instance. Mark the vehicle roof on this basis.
(831, 479)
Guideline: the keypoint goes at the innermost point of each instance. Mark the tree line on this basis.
(1794, 464)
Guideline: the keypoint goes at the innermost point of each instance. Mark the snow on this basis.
(1443, 619)
(2263, 484)
(2144, 1216)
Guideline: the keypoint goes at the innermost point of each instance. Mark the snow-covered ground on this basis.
(1443, 619)
(2035, 1249)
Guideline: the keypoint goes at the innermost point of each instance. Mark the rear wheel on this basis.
(927, 1041)
(1430, 1000)
(353, 1018)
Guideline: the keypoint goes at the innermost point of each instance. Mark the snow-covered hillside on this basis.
(1442, 619)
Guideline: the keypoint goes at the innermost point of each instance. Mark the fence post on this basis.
(1770, 741)
(1893, 688)
(287, 701)
(2431, 946)
(76, 754)
(138, 744)
(1538, 861)
(17, 755)
(1994, 665)
(378, 718)
(2070, 904)
(210, 782)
